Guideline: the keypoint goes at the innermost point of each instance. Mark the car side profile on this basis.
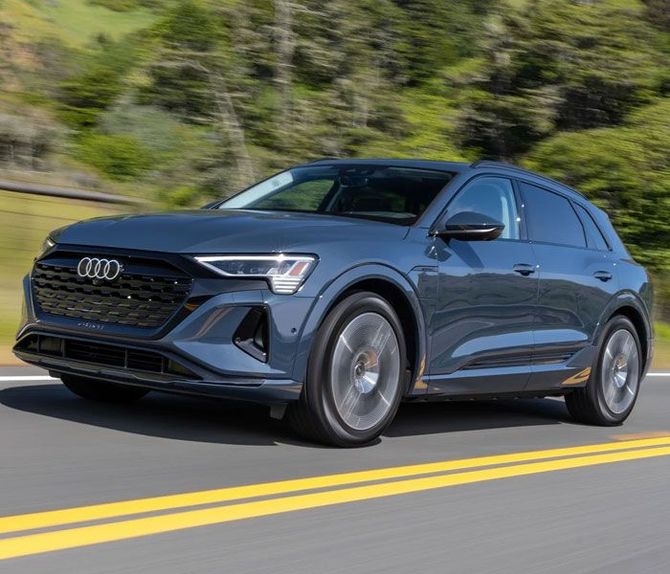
(336, 289)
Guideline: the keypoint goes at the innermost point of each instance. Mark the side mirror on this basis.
(471, 226)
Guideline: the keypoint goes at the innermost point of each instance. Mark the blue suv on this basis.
(334, 290)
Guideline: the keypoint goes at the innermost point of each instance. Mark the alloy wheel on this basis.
(620, 372)
(365, 371)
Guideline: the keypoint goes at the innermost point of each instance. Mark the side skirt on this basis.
(544, 376)
(488, 397)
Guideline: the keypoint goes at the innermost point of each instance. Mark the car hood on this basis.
(225, 231)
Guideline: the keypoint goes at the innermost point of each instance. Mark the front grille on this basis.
(102, 354)
(146, 294)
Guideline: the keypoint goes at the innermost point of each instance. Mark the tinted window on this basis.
(307, 195)
(550, 217)
(394, 194)
(492, 196)
(593, 233)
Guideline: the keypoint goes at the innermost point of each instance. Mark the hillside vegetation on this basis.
(183, 100)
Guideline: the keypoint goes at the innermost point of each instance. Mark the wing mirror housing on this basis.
(471, 226)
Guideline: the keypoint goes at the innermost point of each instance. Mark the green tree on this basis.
(626, 171)
(87, 94)
(559, 65)
(120, 157)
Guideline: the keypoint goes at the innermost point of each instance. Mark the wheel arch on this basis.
(388, 284)
(630, 306)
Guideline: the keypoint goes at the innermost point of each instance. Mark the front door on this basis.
(482, 328)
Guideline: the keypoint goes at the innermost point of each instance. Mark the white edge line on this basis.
(658, 374)
(28, 378)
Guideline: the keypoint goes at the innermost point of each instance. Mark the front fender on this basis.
(333, 290)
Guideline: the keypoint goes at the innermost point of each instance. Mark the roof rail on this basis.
(504, 165)
(323, 159)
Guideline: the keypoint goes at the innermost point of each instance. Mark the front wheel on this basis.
(610, 394)
(356, 374)
(102, 391)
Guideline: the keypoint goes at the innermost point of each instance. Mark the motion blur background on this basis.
(175, 102)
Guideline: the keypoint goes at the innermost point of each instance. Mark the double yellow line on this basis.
(240, 502)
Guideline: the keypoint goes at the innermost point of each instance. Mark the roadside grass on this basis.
(662, 349)
(8, 327)
(78, 21)
(75, 22)
(25, 221)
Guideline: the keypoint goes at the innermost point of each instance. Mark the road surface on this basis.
(507, 486)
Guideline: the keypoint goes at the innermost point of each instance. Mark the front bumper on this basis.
(254, 390)
(207, 357)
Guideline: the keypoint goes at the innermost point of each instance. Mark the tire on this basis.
(101, 391)
(612, 389)
(356, 376)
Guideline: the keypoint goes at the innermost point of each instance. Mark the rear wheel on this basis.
(610, 394)
(356, 374)
(94, 390)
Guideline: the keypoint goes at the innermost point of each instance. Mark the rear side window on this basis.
(593, 233)
(551, 218)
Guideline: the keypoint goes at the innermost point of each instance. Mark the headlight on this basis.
(286, 273)
(47, 244)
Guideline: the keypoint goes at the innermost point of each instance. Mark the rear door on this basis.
(576, 281)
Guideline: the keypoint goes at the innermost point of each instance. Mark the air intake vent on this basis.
(101, 354)
(252, 334)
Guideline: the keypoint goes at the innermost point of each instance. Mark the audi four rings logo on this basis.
(95, 268)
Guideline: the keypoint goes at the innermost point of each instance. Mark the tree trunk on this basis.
(233, 129)
(285, 49)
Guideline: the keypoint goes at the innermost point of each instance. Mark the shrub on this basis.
(120, 157)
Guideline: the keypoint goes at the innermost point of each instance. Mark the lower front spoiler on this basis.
(265, 391)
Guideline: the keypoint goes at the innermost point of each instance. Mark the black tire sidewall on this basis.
(318, 391)
(595, 387)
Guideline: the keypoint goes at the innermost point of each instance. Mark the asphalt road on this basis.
(604, 508)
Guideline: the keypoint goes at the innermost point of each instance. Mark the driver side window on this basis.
(492, 196)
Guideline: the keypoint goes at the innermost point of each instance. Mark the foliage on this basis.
(127, 5)
(86, 95)
(73, 22)
(116, 5)
(626, 170)
(662, 331)
(658, 13)
(559, 65)
(120, 157)
(180, 197)
(26, 137)
(185, 100)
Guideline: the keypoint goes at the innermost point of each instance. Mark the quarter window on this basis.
(551, 218)
(593, 233)
(492, 196)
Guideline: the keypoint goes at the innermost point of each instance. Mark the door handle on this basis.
(524, 269)
(603, 275)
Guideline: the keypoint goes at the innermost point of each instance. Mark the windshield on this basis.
(395, 194)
